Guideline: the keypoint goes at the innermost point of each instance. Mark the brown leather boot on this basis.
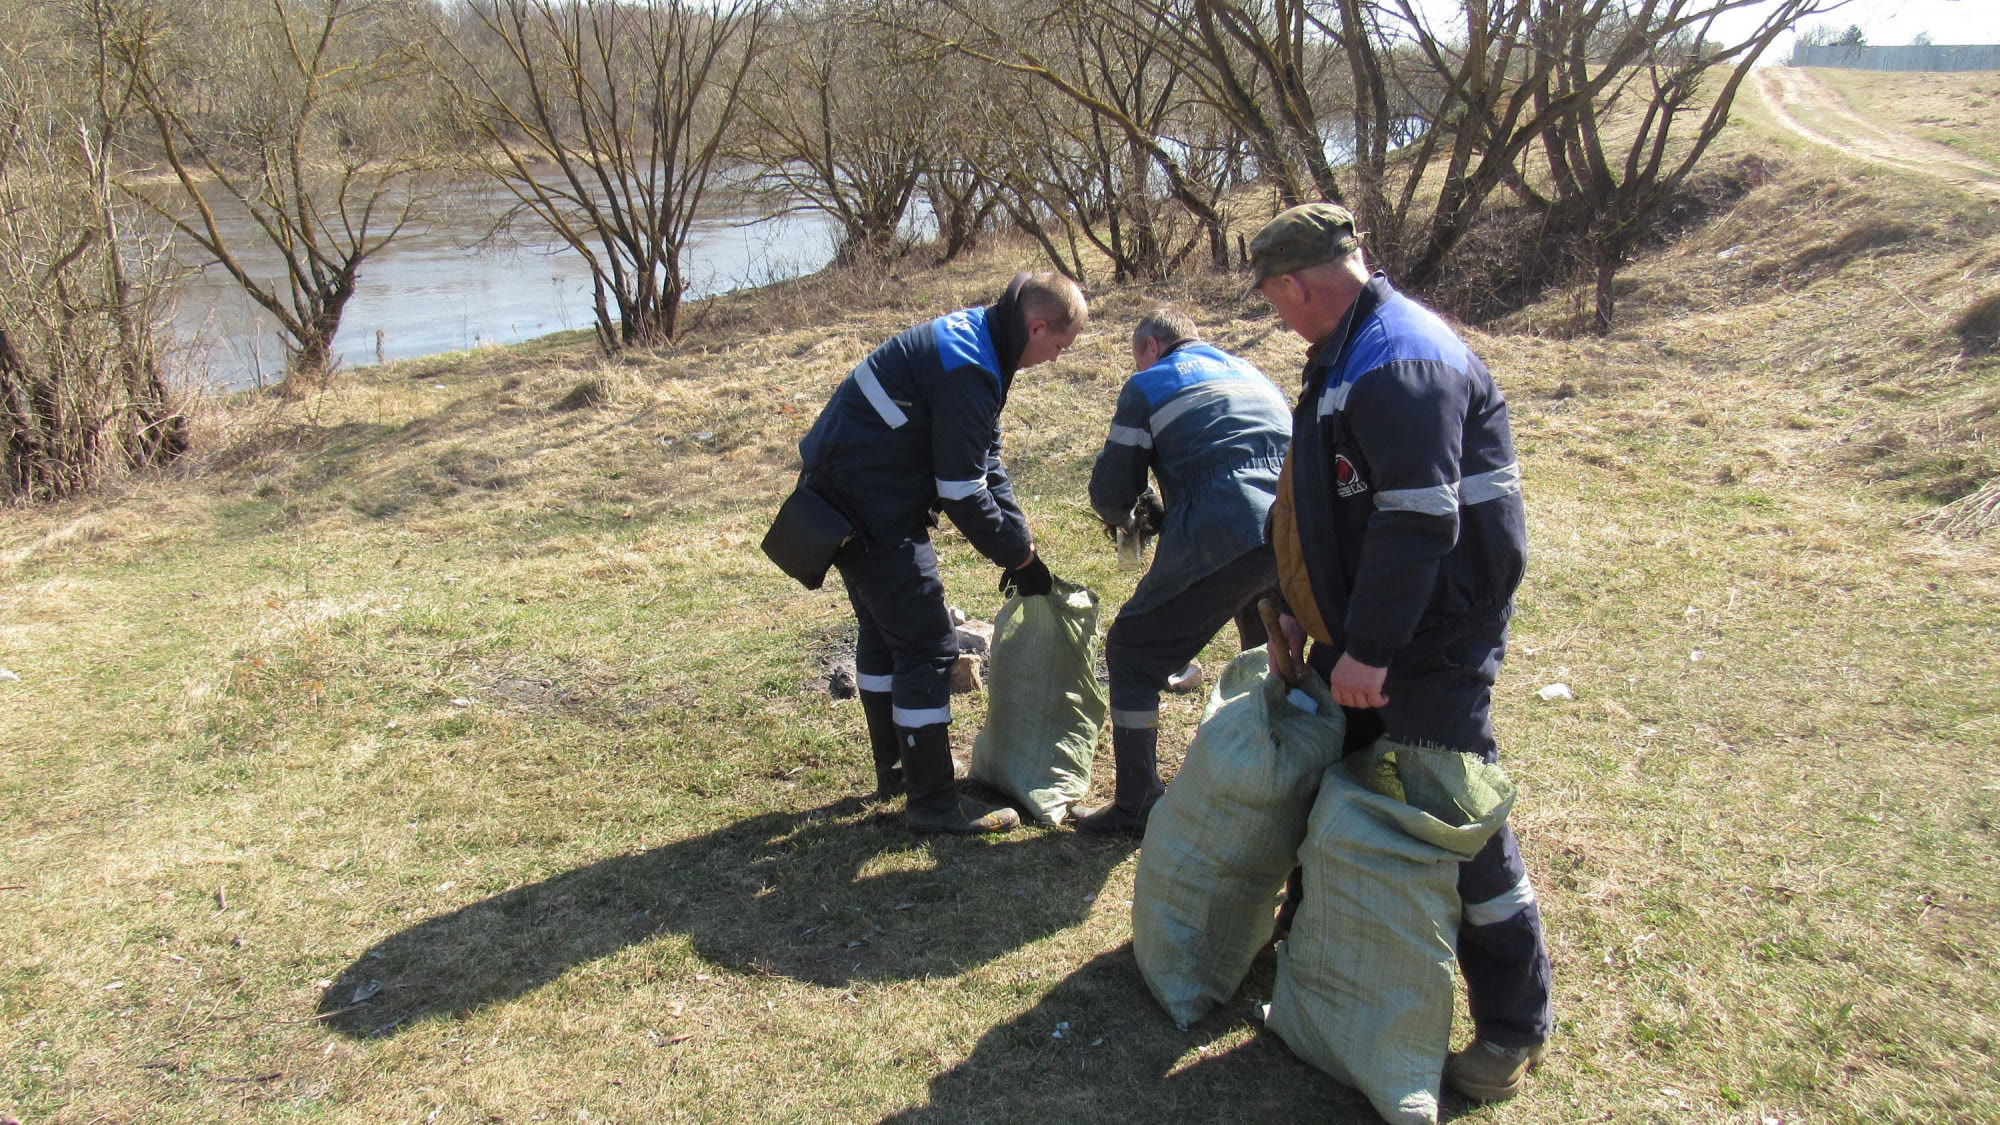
(1487, 1072)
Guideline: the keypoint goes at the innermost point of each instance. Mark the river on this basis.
(443, 289)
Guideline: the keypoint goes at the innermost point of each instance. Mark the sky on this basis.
(1893, 23)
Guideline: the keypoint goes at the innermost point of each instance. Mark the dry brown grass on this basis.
(1978, 327)
(496, 705)
(1956, 109)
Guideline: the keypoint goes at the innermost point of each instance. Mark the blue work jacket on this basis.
(1214, 431)
(916, 425)
(1407, 493)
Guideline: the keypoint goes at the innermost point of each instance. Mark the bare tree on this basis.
(1013, 40)
(288, 136)
(962, 190)
(843, 126)
(1616, 158)
(1264, 67)
(82, 289)
(1091, 176)
(606, 120)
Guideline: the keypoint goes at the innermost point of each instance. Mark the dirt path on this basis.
(1793, 94)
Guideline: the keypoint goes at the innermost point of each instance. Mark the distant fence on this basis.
(1899, 58)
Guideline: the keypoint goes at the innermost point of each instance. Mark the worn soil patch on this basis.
(1800, 102)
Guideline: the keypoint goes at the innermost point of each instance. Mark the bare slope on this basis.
(1811, 104)
(444, 750)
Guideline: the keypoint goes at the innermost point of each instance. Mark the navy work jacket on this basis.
(1214, 430)
(1406, 490)
(918, 423)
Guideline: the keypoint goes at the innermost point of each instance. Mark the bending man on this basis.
(915, 428)
(1214, 430)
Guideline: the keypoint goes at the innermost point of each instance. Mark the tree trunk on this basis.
(1609, 256)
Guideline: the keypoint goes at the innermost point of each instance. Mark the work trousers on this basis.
(1440, 694)
(905, 644)
(1143, 649)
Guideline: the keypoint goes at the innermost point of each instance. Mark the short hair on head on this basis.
(1167, 326)
(1054, 298)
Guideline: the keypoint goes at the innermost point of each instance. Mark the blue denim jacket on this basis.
(1214, 431)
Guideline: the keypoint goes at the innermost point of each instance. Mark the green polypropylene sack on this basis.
(1221, 842)
(1364, 986)
(1044, 706)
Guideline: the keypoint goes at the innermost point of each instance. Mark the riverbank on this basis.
(455, 283)
(441, 747)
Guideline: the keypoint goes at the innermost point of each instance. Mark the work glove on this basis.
(1029, 581)
(1149, 515)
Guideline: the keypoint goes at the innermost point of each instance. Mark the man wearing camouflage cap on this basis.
(1400, 538)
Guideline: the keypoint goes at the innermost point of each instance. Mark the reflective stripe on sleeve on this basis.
(1501, 907)
(871, 389)
(920, 717)
(1131, 435)
(875, 683)
(1437, 500)
(958, 489)
(1135, 720)
(1481, 487)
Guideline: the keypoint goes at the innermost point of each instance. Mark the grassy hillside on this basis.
(442, 749)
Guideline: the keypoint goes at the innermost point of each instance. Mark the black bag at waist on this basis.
(806, 534)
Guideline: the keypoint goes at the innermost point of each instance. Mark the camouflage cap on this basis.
(1300, 238)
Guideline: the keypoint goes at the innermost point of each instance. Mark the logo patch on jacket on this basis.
(1346, 481)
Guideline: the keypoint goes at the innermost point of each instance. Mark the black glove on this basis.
(1147, 518)
(1149, 515)
(1029, 581)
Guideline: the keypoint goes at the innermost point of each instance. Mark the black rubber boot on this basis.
(1135, 751)
(935, 805)
(879, 707)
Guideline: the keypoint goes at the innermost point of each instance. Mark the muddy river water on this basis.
(447, 288)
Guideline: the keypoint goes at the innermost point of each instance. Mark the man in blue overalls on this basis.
(1214, 431)
(913, 430)
(1401, 538)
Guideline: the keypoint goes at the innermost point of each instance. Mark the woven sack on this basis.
(1364, 985)
(1044, 706)
(1221, 842)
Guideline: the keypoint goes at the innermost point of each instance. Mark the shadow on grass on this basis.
(1120, 1059)
(829, 896)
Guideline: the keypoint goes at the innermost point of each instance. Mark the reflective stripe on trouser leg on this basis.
(874, 665)
(1500, 948)
(1443, 697)
(906, 637)
(1136, 720)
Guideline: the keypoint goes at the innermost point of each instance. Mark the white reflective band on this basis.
(1481, 487)
(875, 683)
(1334, 398)
(1200, 394)
(958, 489)
(1508, 903)
(871, 389)
(1131, 435)
(1437, 500)
(924, 717)
(1135, 720)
